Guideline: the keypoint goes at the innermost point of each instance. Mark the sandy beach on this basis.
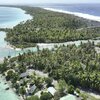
(77, 43)
(9, 46)
(83, 15)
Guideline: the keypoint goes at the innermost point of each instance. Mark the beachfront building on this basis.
(51, 90)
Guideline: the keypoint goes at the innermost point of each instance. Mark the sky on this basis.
(46, 1)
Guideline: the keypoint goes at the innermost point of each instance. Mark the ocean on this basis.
(92, 9)
(87, 11)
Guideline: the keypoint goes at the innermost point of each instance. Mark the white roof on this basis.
(51, 90)
(32, 89)
(38, 94)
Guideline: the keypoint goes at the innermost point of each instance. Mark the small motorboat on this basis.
(7, 88)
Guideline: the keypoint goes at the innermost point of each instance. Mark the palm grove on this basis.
(78, 66)
(50, 27)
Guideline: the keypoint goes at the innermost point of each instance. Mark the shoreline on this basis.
(9, 46)
(8, 85)
(12, 24)
(82, 15)
(77, 43)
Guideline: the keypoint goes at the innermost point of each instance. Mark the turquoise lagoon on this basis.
(10, 17)
(6, 94)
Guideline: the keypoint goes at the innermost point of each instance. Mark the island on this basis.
(51, 27)
(62, 72)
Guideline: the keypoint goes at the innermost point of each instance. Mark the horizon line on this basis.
(45, 3)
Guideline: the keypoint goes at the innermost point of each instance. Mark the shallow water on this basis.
(5, 51)
(6, 94)
(10, 16)
(2, 42)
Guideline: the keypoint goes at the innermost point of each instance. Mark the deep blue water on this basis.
(92, 9)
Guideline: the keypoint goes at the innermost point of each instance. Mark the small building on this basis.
(24, 75)
(38, 94)
(69, 97)
(51, 90)
(20, 82)
(32, 89)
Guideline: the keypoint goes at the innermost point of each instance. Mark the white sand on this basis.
(86, 16)
(94, 94)
(8, 46)
(52, 45)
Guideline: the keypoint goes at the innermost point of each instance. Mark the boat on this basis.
(7, 88)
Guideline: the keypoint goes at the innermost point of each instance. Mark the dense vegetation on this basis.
(48, 26)
(78, 66)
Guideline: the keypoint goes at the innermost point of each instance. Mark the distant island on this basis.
(51, 27)
(62, 72)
